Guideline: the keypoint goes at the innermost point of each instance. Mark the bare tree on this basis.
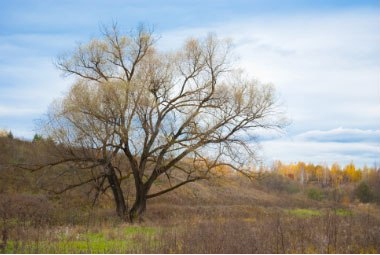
(177, 115)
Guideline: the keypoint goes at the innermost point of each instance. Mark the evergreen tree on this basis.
(363, 192)
(10, 135)
(37, 138)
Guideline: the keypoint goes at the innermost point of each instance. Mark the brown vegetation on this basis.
(222, 215)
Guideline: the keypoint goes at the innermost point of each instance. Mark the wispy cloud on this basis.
(323, 64)
(325, 68)
(328, 146)
(342, 135)
(17, 111)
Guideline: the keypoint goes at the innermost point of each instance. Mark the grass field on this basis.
(184, 226)
(224, 215)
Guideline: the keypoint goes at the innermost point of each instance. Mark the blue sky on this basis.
(322, 56)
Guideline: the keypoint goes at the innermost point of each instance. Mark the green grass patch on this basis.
(133, 230)
(94, 236)
(122, 240)
(344, 212)
(314, 213)
(94, 245)
(304, 212)
(91, 246)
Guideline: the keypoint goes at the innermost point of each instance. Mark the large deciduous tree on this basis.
(177, 114)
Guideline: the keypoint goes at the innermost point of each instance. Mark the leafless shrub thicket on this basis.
(275, 233)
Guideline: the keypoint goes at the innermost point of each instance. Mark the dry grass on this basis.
(181, 228)
(220, 216)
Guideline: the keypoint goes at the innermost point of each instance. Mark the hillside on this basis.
(225, 214)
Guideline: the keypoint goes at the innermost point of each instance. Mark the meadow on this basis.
(227, 214)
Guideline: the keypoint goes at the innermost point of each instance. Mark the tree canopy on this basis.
(138, 112)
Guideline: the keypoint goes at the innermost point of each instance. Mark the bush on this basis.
(363, 193)
(315, 194)
(37, 138)
(280, 183)
(10, 135)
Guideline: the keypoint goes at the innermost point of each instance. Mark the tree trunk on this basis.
(121, 208)
(139, 205)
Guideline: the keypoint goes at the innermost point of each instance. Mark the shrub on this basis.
(37, 138)
(10, 135)
(280, 183)
(315, 194)
(363, 193)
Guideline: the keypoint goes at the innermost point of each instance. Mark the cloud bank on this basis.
(336, 145)
(324, 63)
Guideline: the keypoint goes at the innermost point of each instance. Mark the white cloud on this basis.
(324, 65)
(336, 145)
(31, 84)
(341, 135)
(17, 111)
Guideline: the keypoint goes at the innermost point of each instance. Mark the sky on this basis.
(323, 56)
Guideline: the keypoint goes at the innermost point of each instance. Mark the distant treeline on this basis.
(325, 175)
